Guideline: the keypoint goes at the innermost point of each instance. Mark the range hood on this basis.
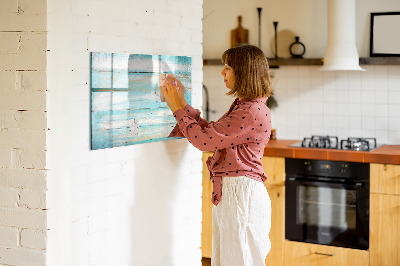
(341, 51)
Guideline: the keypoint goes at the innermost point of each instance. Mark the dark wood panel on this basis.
(380, 61)
(314, 61)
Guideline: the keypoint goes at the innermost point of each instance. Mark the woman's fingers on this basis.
(171, 95)
(179, 83)
(170, 87)
(180, 89)
(164, 90)
(176, 82)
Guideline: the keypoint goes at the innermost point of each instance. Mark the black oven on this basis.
(327, 202)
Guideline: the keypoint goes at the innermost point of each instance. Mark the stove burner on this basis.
(358, 144)
(328, 142)
(332, 142)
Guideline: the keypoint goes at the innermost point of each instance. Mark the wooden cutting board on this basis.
(239, 35)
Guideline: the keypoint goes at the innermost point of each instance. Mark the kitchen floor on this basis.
(206, 261)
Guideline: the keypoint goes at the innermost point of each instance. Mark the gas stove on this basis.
(332, 142)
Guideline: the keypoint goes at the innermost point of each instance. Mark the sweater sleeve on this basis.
(193, 113)
(229, 131)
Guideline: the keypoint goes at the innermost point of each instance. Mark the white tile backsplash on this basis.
(343, 96)
(292, 82)
(354, 80)
(381, 83)
(381, 97)
(394, 97)
(382, 136)
(394, 83)
(394, 123)
(381, 110)
(342, 103)
(367, 97)
(381, 71)
(394, 110)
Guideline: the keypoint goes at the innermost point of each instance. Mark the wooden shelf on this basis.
(274, 63)
(380, 61)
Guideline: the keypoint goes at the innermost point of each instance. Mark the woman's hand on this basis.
(171, 94)
(181, 90)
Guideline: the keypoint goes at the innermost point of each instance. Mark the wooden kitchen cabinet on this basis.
(274, 168)
(385, 178)
(385, 215)
(277, 233)
(384, 236)
(206, 225)
(305, 254)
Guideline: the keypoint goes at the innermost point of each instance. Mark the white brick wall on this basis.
(8, 197)
(134, 205)
(33, 239)
(107, 207)
(9, 237)
(23, 132)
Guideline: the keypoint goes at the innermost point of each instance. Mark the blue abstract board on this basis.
(127, 106)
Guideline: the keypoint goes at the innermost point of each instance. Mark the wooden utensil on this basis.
(239, 35)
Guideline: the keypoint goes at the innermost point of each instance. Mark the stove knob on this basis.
(343, 168)
(308, 166)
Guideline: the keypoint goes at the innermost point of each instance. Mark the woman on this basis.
(242, 208)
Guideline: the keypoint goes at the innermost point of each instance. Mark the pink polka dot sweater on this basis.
(238, 139)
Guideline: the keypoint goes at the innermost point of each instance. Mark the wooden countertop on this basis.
(389, 154)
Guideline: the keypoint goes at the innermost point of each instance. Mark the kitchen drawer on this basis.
(305, 254)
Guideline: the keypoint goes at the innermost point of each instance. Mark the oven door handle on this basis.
(357, 185)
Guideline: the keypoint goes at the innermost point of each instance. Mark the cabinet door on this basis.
(304, 254)
(274, 168)
(206, 226)
(385, 178)
(384, 230)
(277, 233)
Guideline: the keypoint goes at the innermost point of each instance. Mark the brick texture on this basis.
(23, 218)
(23, 126)
(44, 128)
(33, 239)
(129, 189)
(8, 197)
(9, 237)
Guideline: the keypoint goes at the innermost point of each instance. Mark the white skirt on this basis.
(241, 223)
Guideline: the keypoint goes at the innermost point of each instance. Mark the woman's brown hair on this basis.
(250, 66)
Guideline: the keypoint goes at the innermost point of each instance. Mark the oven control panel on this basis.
(337, 169)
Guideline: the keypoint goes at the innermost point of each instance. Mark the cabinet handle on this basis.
(324, 254)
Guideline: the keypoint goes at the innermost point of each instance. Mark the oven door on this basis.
(327, 213)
